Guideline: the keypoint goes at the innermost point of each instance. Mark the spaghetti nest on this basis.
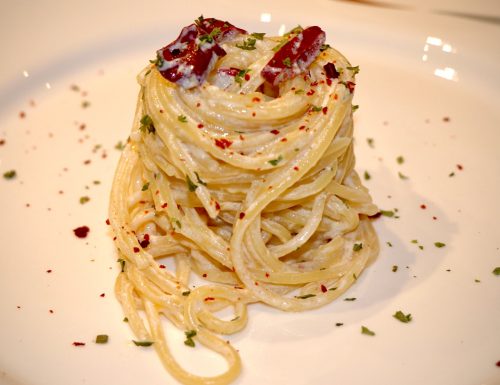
(247, 186)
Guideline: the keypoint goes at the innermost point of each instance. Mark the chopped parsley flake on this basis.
(101, 339)
(357, 246)
(119, 146)
(143, 343)
(350, 299)
(145, 186)
(394, 268)
(389, 244)
(248, 44)
(191, 186)
(387, 213)
(287, 62)
(324, 47)
(439, 244)
(405, 318)
(305, 296)
(10, 174)
(182, 118)
(367, 175)
(339, 324)
(189, 338)
(368, 332)
(400, 159)
(258, 35)
(317, 108)
(158, 62)
(496, 271)
(370, 142)
(121, 261)
(402, 176)
(84, 200)
(355, 70)
(147, 124)
(186, 293)
(210, 37)
(199, 179)
(240, 76)
(274, 162)
(354, 107)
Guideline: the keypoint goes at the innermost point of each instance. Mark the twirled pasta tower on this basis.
(240, 168)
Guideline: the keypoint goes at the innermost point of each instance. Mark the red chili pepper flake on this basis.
(198, 104)
(51, 311)
(256, 100)
(136, 249)
(423, 207)
(284, 139)
(49, 271)
(351, 86)
(204, 275)
(242, 215)
(323, 289)
(102, 295)
(460, 167)
(242, 138)
(296, 168)
(498, 363)
(335, 97)
(22, 115)
(217, 205)
(254, 114)
(223, 143)
(209, 299)
(435, 218)
(200, 125)
(247, 77)
(310, 92)
(267, 275)
(82, 126)
(108, 222)
(302, 127)
(81, 232)
(87, 161)
(446, 119)
(324, 110)
(275, 132)
(19, 307)
(164, 206)
(329, 82)
(162, 266)
(161, 111)
(314, 84)
(76, 343)
(2, 142)
(256, 283)
(144, 243)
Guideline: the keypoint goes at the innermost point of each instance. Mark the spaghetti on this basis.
(240, 170)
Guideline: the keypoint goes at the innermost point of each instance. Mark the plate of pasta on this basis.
(268, 196)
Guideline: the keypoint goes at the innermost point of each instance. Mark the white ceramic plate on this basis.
(428, 91)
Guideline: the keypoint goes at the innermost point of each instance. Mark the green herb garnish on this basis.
(275, 162)
(387, 213)
(367, 175)
(354, 107)
(496, 271)
(186, 293)
(405, 318)
(357, 246)
(287, 62)
(355, 70)
(248, 44)
(368, 332)
(191, 186)
(84, 200)
(189, 338)
(400, 159)
(370, 142)
(394, 268)
(305, 296)
(258, 35)
(350, 299)
(143, 343)
(145, 186)
(121, 261)
(240, 76)
(119, 146)
(324, 47)
(299, 92)
(10, 174)
(158, 62)
(402, 176)
(199, 179)
(182, 118)
(316, 108)
(439, 244)
(209, 38)
(147, 124)
(101, 339)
